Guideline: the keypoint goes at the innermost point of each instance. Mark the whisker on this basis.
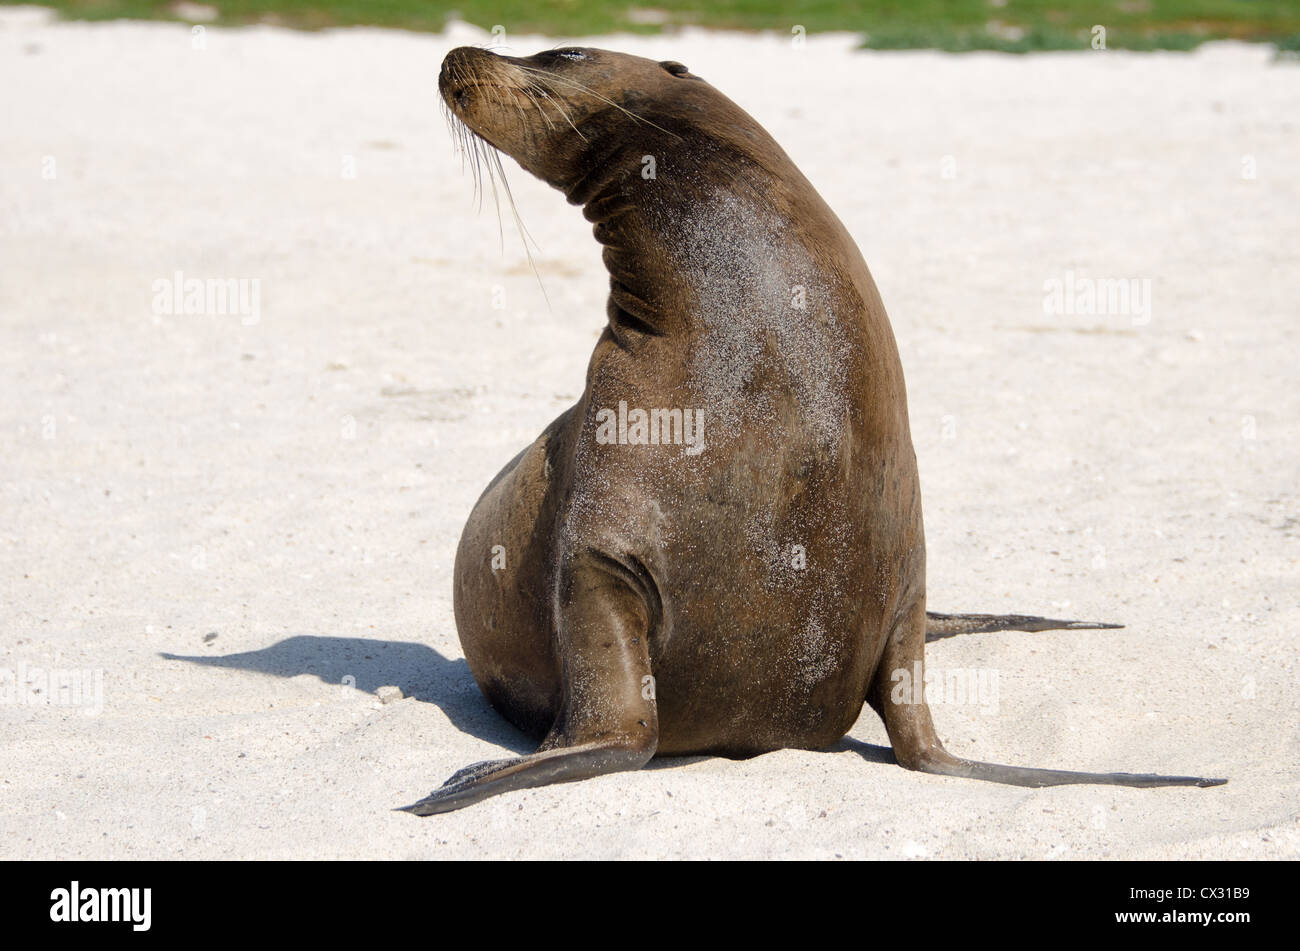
(559, 107)
(484, 155)
(551, 77)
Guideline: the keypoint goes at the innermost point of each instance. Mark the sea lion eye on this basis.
(571, 54)
(677, 69)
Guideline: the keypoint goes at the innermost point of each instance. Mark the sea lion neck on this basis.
(696, 236)
(616, 184)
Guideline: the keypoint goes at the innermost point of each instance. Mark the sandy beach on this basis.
(222, 533)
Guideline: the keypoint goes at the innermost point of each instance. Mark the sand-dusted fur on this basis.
(747, 592)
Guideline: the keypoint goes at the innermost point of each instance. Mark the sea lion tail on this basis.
(939, 626)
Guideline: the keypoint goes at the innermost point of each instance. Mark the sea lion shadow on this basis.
(868, 751)
(365, 664)
(360, 664)
(847, 744)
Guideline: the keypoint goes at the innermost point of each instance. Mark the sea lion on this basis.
(719, 548)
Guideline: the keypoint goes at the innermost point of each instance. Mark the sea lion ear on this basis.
(677, 69)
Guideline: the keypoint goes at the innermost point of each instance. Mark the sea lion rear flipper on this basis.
(939, 626)
(917, 746)
(609, 720)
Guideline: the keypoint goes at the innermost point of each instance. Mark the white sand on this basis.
(164, 477)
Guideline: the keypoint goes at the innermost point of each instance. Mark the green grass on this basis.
(959, 25)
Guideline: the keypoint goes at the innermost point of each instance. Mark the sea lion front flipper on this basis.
(493, 777)
(917, 746)
(609, 720)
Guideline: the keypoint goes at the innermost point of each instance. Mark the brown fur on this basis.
(743, 598)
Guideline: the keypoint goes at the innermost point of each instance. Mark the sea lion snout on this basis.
(467, 66)
(535, 109)
(576, 116)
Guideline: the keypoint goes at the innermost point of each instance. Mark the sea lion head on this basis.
(561, 111)
(709, 230)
